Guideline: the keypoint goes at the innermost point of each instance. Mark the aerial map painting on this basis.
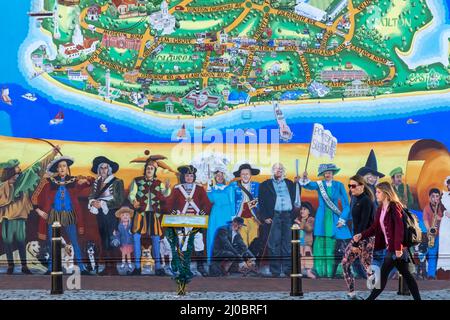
(193, 81)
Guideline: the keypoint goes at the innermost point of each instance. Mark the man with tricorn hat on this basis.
(330, 228)
(245, 198)
(402, 189)
(189, 197)
(56, 200)
(106, 197)
(16, 188)
(147, 196)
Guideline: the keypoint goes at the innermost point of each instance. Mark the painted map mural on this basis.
(246, 80)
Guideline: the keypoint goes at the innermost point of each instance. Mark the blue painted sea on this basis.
(378, 122)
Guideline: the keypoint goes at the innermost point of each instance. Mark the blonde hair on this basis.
(389, 192)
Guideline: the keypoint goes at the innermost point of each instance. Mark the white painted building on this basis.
(223, 37)
(76, 75)
(333, 14)
(163, 20)
(38, 60)
(305, 9)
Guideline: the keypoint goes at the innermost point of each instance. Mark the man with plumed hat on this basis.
(56, 200)
(16, 189)
(402, 189)
(147, 196)
(189, 197)
(245, 199)
(330, 229)
(106, 197)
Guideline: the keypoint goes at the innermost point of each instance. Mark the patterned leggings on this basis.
(365, 256)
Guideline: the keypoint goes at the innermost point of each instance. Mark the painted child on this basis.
(305, 220)
(125, 236)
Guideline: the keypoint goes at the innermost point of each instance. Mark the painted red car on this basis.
(179, 8)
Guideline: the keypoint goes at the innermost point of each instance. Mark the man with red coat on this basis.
(189, 197)
(56, 200)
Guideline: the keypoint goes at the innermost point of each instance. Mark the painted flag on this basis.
(323, 143)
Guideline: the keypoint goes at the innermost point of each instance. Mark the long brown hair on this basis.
(367, 190)
(389, 192)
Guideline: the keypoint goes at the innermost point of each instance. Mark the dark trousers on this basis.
(339, 252)
(391, 261)
(279, 243)
(106, 223)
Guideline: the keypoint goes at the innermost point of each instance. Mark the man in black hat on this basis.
(106, 197)
(245, 199)
(229, 248)
(56, 200)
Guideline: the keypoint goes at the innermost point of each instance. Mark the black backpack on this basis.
(412, 234)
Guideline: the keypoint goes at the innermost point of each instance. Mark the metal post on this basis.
(403, 289)
(57, 274)
(296, 276)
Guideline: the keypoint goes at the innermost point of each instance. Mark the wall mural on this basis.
(115, 113)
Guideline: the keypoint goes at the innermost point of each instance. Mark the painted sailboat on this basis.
(58, 119)
(5, 96)
(29, 96)
(285, 131)
(411, 121)
(182, 133)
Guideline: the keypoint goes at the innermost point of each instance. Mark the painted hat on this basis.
(397, 170)
(243, 166)
(447, 181)
(124, 210)
(324, 167)
(307, 205)
(371, 166)
(12, 163)
(239, 221)
(54, 164)
(99, 160)
(187, 169)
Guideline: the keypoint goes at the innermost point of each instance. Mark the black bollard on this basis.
(57, 274)
(296, 276)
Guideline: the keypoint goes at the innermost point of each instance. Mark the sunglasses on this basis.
(353, 186)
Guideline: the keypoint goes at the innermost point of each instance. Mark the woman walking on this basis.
(362, 215)
(388, 231)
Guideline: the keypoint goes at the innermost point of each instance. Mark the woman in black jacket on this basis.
(362, 217)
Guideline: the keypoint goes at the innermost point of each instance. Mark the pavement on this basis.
(139, 295)
(26, 287)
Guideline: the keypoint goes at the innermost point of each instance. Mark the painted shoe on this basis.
(25, 270)
(136, 272)
(10, 270)
(160, 272)
(371, 281)
(353, 296)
